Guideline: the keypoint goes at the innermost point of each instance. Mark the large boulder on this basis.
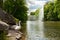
(3, 26)
(5, 17)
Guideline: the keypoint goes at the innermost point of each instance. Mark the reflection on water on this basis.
(36, 31)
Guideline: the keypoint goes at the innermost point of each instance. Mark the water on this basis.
(52, 30)
(33, 30)
(37, 31)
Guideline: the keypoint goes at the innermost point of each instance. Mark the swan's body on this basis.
(17, 27)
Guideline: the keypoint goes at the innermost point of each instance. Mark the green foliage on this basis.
(52, 11)
(1, 3)
(16, 20)
(36, 13)
(32, 13)
(16, 8)
(2, 35)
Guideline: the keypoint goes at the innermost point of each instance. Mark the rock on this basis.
(14, 35)
(5, 17)
(3, 26)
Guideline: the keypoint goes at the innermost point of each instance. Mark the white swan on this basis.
(17, 26)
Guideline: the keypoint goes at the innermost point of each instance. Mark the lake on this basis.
(36, 30)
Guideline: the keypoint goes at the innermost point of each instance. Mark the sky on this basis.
(34, 4)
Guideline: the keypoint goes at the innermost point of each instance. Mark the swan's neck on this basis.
(19, 23)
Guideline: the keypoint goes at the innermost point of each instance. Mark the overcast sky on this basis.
(34, 4)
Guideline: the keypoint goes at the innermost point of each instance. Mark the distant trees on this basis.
(36, 13)
(17, 8)
(52, 11)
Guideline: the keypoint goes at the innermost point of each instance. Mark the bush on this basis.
(2, 35)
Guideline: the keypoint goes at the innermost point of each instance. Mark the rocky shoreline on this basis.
(6, 22)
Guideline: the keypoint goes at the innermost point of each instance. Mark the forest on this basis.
(52, 11)
(17, 8)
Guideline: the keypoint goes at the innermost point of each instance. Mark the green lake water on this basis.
(52, 30)
(48, 30)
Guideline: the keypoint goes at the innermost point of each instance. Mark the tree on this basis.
(16, 8)
(57, 4)
(51, 11)
(36, 13)
(32, 13)
(1, 3)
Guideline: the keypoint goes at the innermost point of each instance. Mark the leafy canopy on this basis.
(52, 11)
(17, 8)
